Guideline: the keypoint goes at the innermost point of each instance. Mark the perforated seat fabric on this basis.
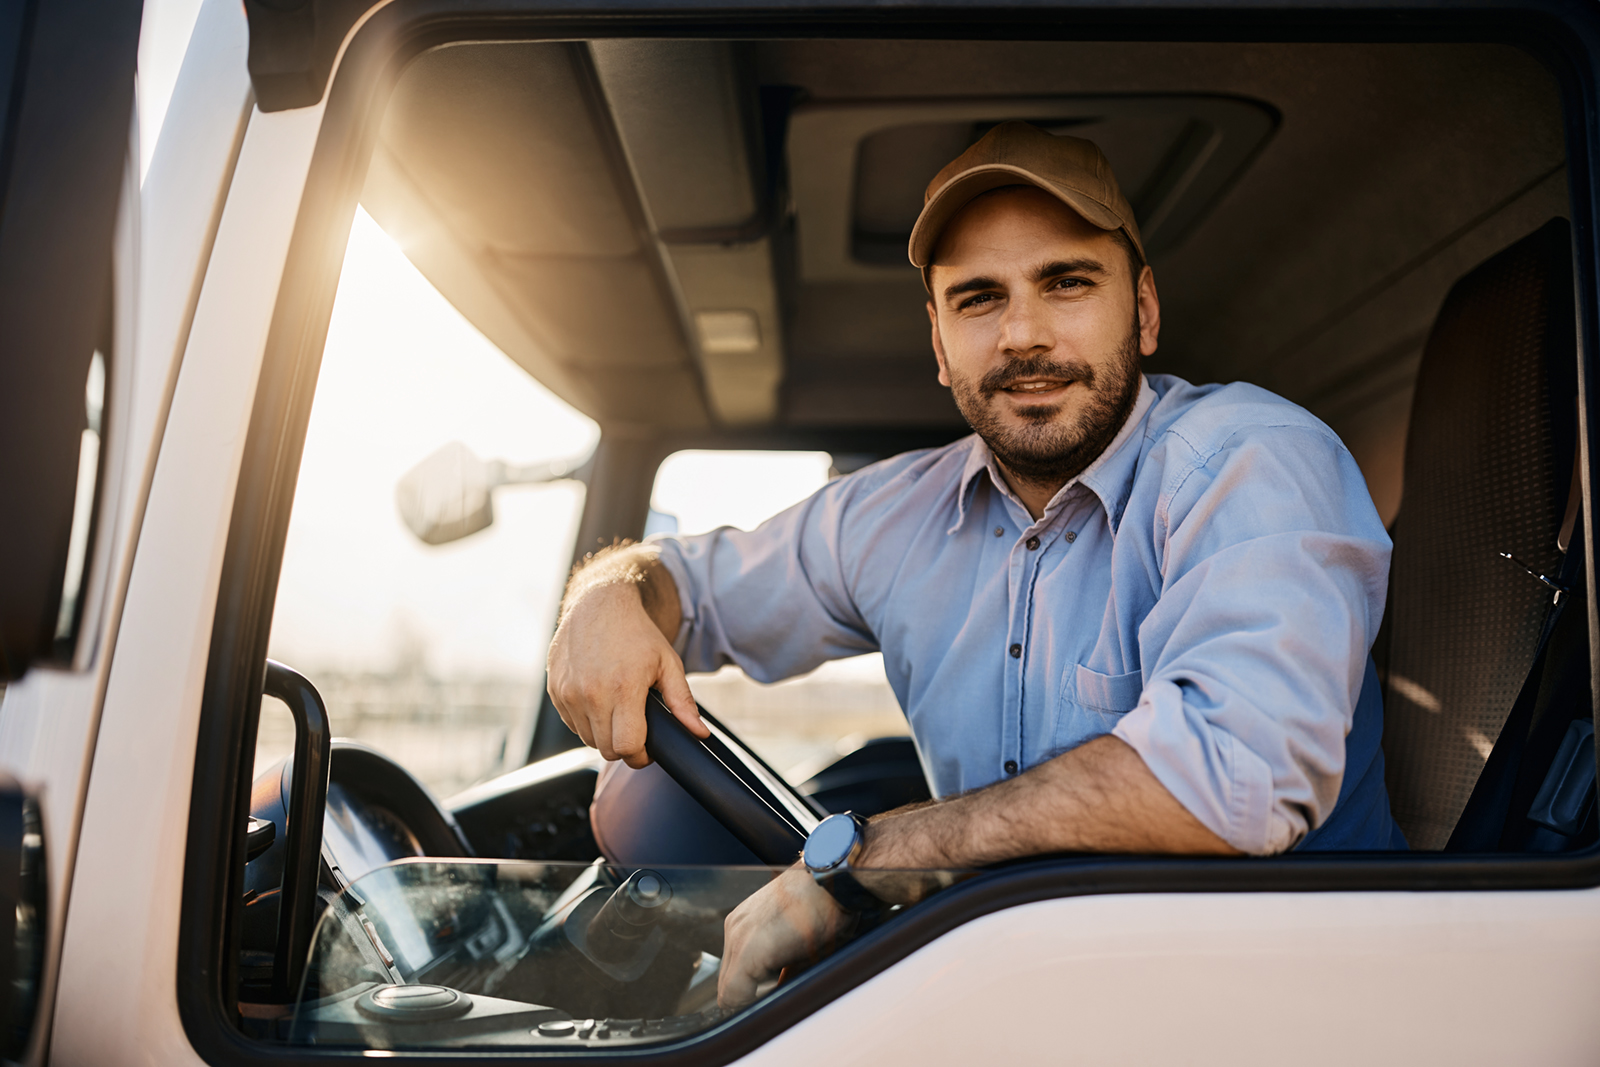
(1487, 467)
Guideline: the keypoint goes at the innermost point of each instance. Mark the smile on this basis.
(1037, 386)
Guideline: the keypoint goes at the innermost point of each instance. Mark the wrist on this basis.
(609, 584)
(831, 856)
(898, 840)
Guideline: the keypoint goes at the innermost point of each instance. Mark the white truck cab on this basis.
(686, 222)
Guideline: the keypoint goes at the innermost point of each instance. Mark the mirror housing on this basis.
(450, 494)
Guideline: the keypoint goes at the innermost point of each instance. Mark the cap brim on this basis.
(961, 190)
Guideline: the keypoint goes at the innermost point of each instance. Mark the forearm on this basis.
(613, 643)
(632, 566)
(1099, 797)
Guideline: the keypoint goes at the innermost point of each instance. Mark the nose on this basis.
(1024, 328)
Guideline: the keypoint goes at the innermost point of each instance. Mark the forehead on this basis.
(1015, 225)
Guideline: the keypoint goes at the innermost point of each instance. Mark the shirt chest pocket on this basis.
(1091, 703)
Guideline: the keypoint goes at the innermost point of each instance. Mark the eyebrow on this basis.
(1053, 269)
(1081, 265)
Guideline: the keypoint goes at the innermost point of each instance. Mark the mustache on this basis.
(1021, 370)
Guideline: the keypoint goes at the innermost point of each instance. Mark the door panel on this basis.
(1307, 978)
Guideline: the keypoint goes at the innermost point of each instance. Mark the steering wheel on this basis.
(739, 791)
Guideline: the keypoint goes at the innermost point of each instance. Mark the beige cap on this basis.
(1014, 153)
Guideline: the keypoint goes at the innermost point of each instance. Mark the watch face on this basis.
(830, 843)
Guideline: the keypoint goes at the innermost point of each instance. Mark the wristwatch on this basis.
(829, 849)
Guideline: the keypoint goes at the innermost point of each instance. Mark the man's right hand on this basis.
(612, 646)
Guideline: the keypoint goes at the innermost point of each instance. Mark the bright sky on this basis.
(704, 490)
(403, 373)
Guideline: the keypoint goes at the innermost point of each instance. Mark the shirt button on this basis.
(1011, 766)
(999, 531)
(1016, 651)
(1033, 543)
(1071, 537)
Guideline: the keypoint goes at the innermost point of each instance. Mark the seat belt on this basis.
(1483, 820)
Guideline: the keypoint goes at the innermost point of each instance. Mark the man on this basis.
(1128, 615)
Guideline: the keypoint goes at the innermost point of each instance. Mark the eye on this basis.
(1069, 284)
(976, 300)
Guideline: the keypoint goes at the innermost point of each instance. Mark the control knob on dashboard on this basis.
(619, 929)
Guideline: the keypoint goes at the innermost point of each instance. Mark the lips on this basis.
(1036, 386)
(1025, 378)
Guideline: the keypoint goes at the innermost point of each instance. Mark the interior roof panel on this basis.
(501, 139)
(590, 334)
(1391, 166)
(499, 172)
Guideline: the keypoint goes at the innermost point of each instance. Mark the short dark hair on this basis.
(1131, 250)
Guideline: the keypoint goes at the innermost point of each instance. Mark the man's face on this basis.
(1038, 327)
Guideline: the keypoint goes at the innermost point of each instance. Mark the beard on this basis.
(1046, 450)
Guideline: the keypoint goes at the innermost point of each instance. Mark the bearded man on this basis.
(1129, 614)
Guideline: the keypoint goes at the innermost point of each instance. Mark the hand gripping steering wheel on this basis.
(739, 791)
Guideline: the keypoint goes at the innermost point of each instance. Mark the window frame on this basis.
(1565, 38)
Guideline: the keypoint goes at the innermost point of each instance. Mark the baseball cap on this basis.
(1071, 169)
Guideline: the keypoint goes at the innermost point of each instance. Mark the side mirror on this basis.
(24, 884)
(449, 495)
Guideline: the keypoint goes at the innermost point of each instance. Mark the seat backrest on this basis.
(1488, 462)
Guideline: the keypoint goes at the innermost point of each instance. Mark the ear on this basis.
(938, 346)
(1149, 313)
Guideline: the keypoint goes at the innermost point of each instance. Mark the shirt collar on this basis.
(1109, 477)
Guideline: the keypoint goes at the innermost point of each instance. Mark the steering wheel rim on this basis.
(736, 789)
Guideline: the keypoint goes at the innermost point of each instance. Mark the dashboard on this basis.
(360, 835)
(376, 813)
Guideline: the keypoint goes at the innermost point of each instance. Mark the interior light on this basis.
(728, 332)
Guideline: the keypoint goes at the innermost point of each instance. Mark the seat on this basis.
(1488, 468)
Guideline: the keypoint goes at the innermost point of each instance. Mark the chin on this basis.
(1035, 418)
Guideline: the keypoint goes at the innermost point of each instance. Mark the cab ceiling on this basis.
(693, 234)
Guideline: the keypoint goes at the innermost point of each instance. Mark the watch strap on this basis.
(851, 894)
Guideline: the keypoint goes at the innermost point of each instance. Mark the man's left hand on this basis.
(789, 920)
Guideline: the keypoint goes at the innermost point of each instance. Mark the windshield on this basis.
(492, 953)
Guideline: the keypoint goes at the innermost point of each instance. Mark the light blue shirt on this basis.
(1208, 591)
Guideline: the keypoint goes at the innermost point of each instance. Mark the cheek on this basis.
(1083, 326)
(1096, 335)
(971, 346)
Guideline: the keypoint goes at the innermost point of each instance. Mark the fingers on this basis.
(585, 734)
(600, 727)
(674, 687)
(788, 920)
(577, 724)
(627, 728)
(605, 654)
(740, 975)
(735, 990)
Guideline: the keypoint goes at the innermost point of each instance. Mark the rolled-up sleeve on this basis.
(1273, 567)
(772, 601)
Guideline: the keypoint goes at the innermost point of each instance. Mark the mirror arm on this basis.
(502, 473)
